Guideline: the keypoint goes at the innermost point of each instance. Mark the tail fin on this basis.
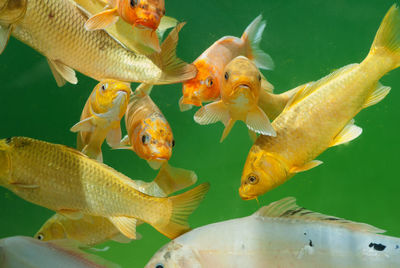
(252, 38)
(171, 179)
(174, 70)
(182, 206)
(387, 39)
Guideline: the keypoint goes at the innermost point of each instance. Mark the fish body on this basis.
(281, 235)
(240, 94)
(101, 117)
(20, 251)
(93, 230)
(206, 86)
(320, 115)
(68, 182)
(55, 28)
(149, 133)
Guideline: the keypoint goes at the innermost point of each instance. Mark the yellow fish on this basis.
(101, 117)
(93, 230)
(320, 115)
(68, 182)
(149, 134)
(240, 91)
(55, 28)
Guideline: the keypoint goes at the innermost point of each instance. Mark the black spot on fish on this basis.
(51, 15)
(378, 247)
(8, 140)
(331, 219)
(167, 255)
(310, 243)
(306, 212)
(305, 233)
(397, 246)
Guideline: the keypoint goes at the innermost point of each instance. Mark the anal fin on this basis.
(127, 226)
(379, 94)
(305, 167)
(62, 73)
(348, 133)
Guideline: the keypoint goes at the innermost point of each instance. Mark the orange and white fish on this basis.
(205, 87)
(240, 91)
(321, 114)
(149, 133)
(101, 117)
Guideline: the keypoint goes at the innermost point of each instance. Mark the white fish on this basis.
(26, 252)
(281, 234)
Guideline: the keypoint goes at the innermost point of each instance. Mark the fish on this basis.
(101, 117)
(206, 85)
(281, 234)
(149, 133)
(21, 251)
(240, 91)
(93, 230)
(55, 28)
(320, 115)
(68, 182)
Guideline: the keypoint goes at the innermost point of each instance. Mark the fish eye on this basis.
(145, 139)
(104, 86)
(252, 179)
(173, 143)
(40, 237)
(133, 3)
(226, 76)
(209, 82)
(159, 265)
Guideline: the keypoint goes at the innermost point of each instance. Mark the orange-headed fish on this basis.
(149, 134)
(101, 117)
(321, 114)
(205, 87)
(240, 91)
(70, 183)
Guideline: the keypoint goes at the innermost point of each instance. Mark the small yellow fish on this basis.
(55, 28)
(240, 91)
(66, 181)
(93, 230)
(149, 134)
(101, 117)
(320, 115)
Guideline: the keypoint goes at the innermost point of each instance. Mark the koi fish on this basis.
(55, 28)
(240, 91)
(206, 85)
(64, 180)
(149, 134)
(281, 234)
(93, 230)
(101, 117)
(321, 114)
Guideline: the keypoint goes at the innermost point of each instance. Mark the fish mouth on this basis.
(120, 98)
(244, 196)
(242, 87)
(191, 101)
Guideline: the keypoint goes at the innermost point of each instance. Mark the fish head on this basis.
(110, 98)
(153, 139)
(5, 160)
(262, 172)
(174, 255)
(142, 13)
(241, 80)
(204, 87)
(52, 229)
(11, 11)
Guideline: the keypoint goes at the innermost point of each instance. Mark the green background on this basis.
(306, 39)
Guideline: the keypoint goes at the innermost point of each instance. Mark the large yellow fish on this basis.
(101, 117)
(68, 182)
(55, 28)
(149, 133)
(320, 115)
(93, 230)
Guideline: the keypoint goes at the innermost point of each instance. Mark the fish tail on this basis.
(252, 39)
(174, 70)
(182, 206)
(387, 39)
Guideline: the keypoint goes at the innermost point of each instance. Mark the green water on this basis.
(306, 39)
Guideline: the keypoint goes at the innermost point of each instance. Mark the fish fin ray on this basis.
(252, 36)
(125, 142)
(287, 208)
(183, 107)
(102, 20)
(71, 214)
(379, 94)
(348, 133)
(305, 167)
(171, 179)
(5, 33)
(212, 113)
(127, 226)
(165, 24)
(114, 137)
(258, 122)
(62, 73)
(85, 125)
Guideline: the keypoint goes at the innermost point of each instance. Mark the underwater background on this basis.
(306, 39)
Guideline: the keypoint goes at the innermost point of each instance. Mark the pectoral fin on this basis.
(148, 37)
(71, 214)
(258, 122)
(5, 32)
(85, 125)
(348, 133)
(307, 166)
(183, 106)
(127, 226)
(212, 113)
(379, 94)
(114, 137)
(121, 239)
(62, 73)
(102, 20)
(155, 164)
(125, 141)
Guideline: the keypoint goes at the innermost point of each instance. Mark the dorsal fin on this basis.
(307, 89)
(287, 208)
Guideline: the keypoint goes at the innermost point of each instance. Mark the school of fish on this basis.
(117, 42)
